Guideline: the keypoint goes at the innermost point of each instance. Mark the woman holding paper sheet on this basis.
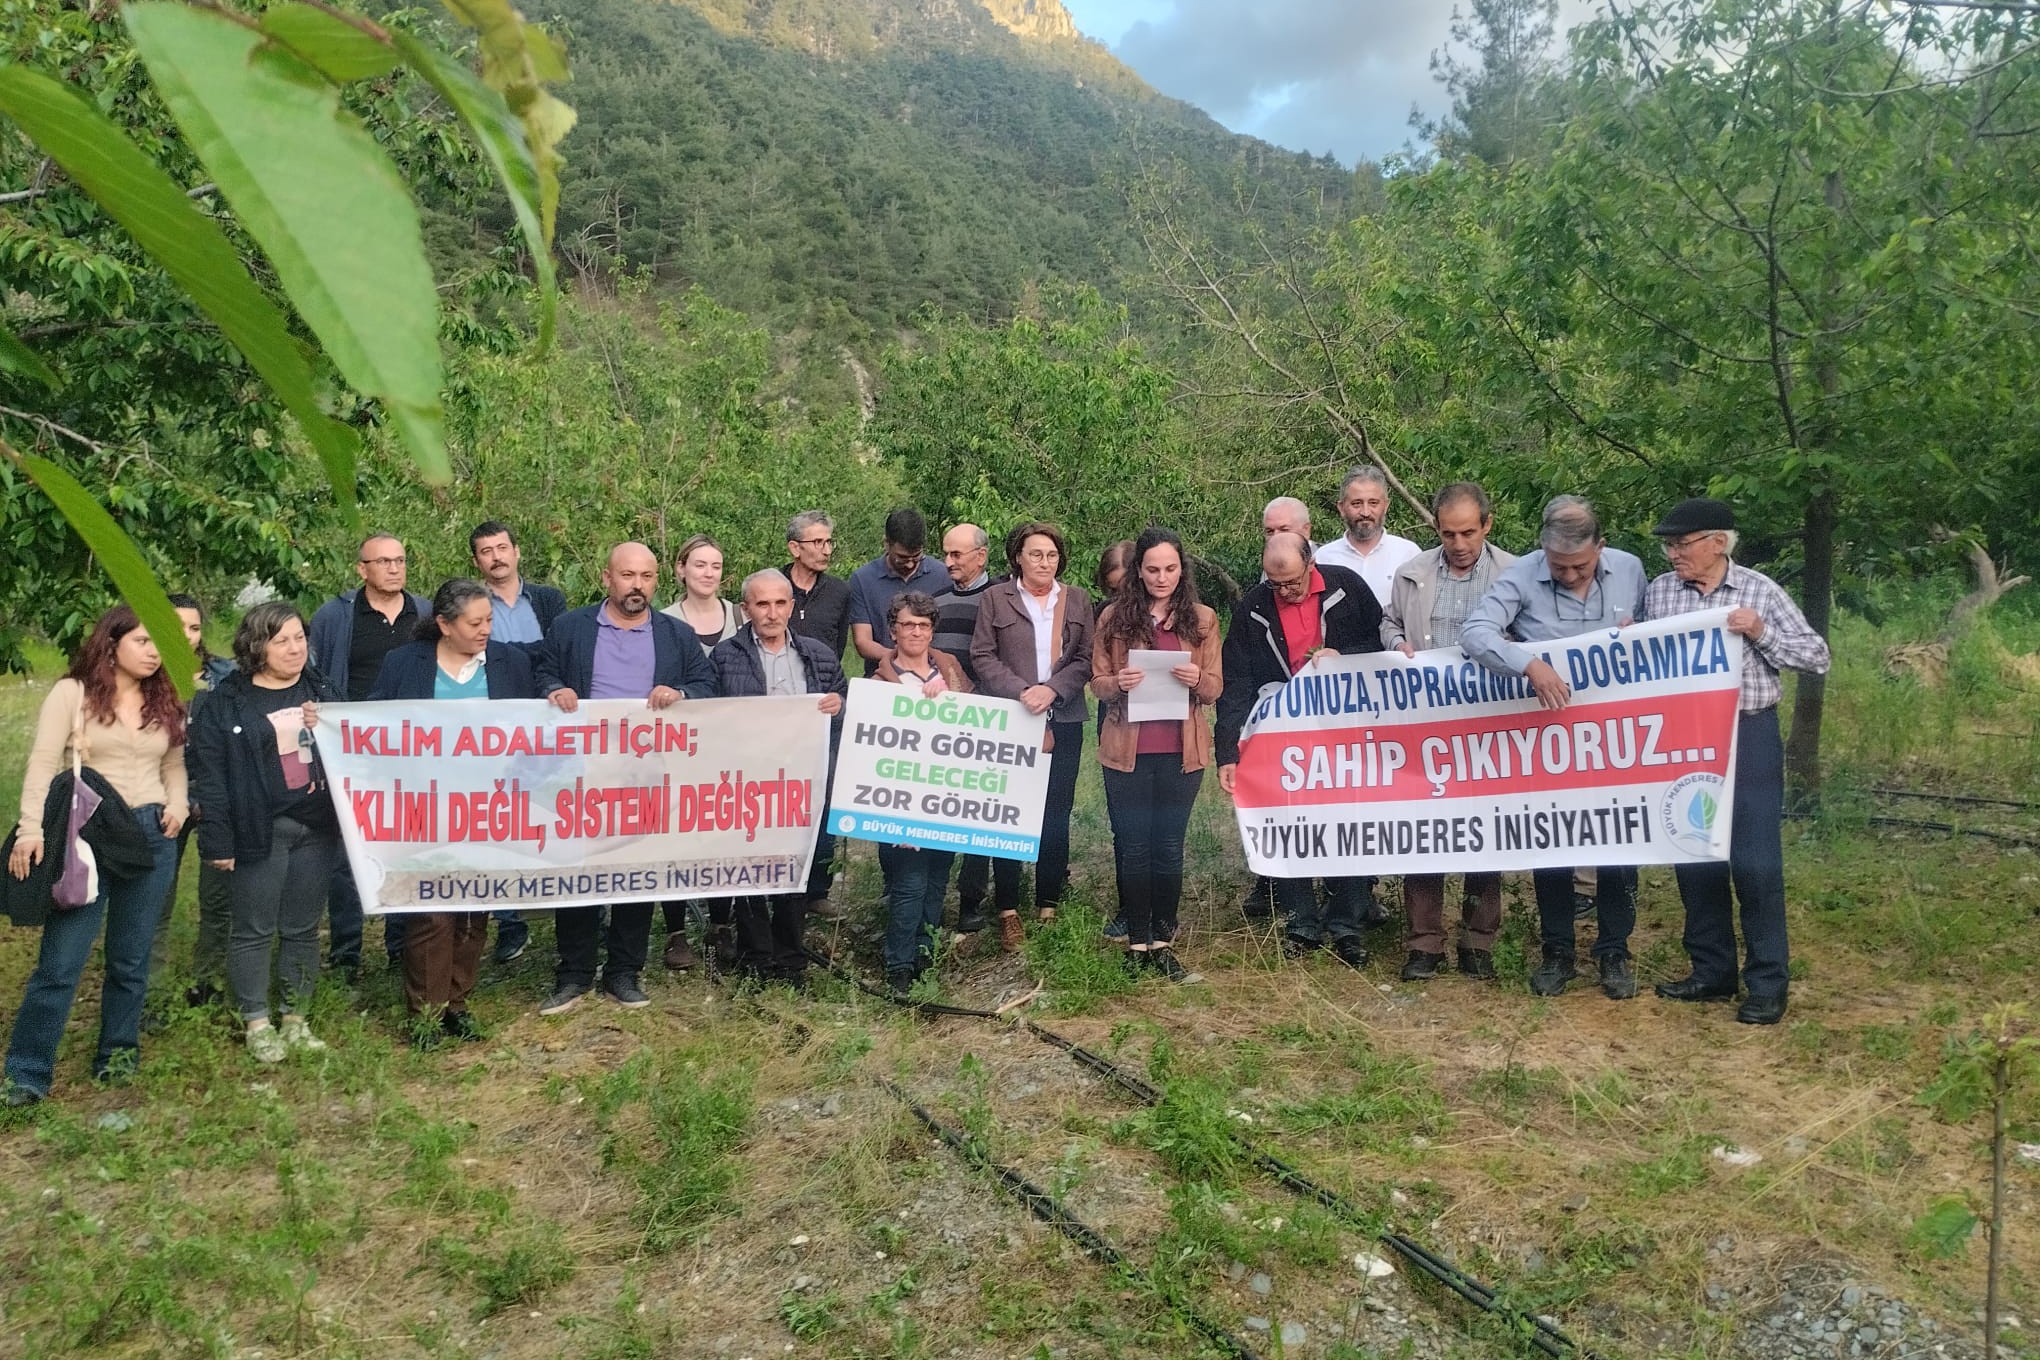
(915, 877)
(453, 658)
(1155, 668)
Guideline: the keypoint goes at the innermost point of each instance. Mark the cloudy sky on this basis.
(1310, 75)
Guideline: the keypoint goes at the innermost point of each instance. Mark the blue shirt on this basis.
(624, 659)
(476, 686)
(516, 622)
(1526, 605)
(874, 586)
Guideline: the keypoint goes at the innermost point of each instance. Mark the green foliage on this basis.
(681, 1153)
(1064, 954)
(516, 1266)
(1943, 1231)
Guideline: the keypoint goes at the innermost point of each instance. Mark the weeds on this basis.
(682, 1163)
(1072, 966)
(515, 1266)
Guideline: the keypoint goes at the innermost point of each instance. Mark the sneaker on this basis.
(679, 956)
(1164, 961)
(1350, 952)
(265, 1043)
(900, 982)
(1421, 967)
(1012, 934)
(1618, 978)
(563, 998)
(623, 989)
(1552, 975)
(20, 1097)
(1116, 929)
(201, 994)
(511, 938)
(970, 921)
(1477, 963)
(298, 1036)
(461, 1025)
(1294, 947)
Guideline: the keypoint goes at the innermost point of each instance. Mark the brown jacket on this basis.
(1002, 649)
(1117, 740)
(945, 665)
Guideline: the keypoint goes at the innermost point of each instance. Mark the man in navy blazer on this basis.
(619, 649)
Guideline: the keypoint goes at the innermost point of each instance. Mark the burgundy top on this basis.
(1166, 737)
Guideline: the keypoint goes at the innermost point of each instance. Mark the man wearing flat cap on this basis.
(1699, 537)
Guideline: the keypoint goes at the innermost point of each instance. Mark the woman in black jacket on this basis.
(268, 821)
(452, 659)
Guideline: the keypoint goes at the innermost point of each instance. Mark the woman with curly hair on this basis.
(117, 712)
(1153, 769)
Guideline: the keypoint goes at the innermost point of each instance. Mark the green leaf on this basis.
(1942, 1231)
(124, 563)
(502, 138)
(320, 197)
(519, 59)
(136, 193)
(16, 357)
(340, 49)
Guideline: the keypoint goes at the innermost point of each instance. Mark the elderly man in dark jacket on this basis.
(1297, 612)
(621, 648)
(766, 658)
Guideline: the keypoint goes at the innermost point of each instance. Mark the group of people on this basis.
(242, 766)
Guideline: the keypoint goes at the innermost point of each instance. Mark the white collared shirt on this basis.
(1042, 611)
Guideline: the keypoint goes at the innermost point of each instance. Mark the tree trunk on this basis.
(1802, 747)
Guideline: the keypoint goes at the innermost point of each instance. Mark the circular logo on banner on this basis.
(846, 824)
(1691, 809)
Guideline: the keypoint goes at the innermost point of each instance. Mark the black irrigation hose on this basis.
(1544, 1336)
(1944, 828)
(1956, 798)
(1049, 1210)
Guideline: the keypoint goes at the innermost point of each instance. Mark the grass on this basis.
(720, 1173)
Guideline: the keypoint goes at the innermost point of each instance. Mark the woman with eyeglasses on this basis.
(1033, 643)
(269, 822)
(118, 715)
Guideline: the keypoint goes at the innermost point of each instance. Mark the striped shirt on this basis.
(1788, 643)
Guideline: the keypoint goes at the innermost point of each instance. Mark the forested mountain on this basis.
(834, 165)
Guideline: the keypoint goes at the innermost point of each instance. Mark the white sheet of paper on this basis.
(1159, 696)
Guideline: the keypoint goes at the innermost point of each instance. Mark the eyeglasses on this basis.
(1040, 555)
(382, 561)
(1675, 546)
(913, 626)
(815, 542)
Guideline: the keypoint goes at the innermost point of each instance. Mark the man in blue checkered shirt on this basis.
(1699, 537)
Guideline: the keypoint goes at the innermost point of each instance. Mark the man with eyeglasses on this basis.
(821, 602)
(1699, 538)
(1297, 612)
(350, 635)
(1572, 584)
(901, 567)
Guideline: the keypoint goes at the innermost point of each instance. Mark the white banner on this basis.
(460, 805)
(1382, 764)
(962, 772)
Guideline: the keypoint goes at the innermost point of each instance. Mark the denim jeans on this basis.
(129, 909)
(215, 917)
(1337, 917)
(1614, 910)
(1150, 810)
(278, 901)
(915, 881)
(1755, 869)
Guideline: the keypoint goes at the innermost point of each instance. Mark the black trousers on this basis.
(718, 909)
(769, 936)
(1052, 869)
(1150, 810)
(579, 933)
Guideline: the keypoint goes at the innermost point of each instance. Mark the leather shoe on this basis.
(1349, 951)
(1012, 935)
(1618, 978)
(1761, 1010)
(1421, 966)
(1552, 975)
(679, 957)
(1477, 963)
(1690, 988)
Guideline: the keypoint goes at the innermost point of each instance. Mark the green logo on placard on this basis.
(1700, 812)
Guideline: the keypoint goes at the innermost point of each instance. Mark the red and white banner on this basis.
(1386, 764)
(462, 804)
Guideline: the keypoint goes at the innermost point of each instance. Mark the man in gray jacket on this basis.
(1429, 598)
